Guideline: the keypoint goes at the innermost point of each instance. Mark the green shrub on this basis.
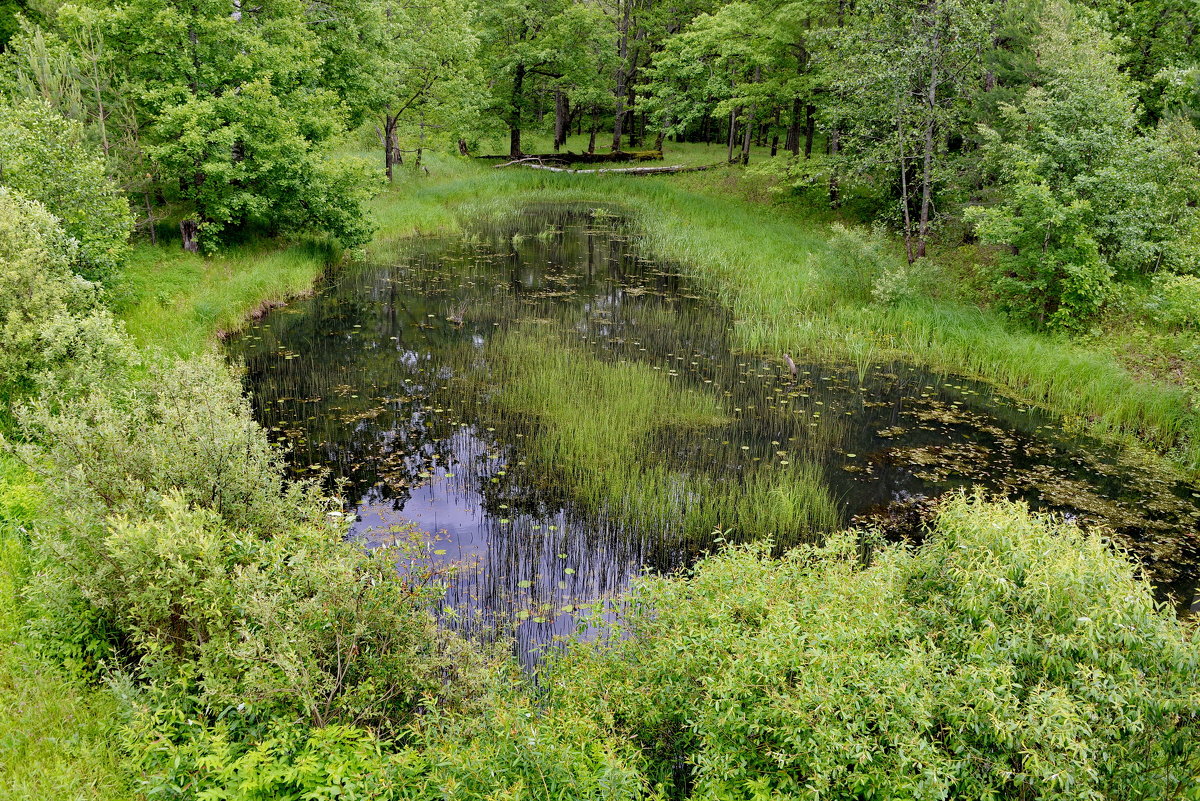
(44, 158)
(37, 288)
(510, 751)
(862, 257)
(901, 282)
(1175, 300)
(173, 546)
(1009, 657)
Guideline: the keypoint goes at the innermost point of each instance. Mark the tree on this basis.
(11, 12)
(232, 110)
(524, 42)
(1083, 194)
(45, 158)
(901, 81)
(429, 72)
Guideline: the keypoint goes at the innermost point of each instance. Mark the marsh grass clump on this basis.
(609, 429)
(1011, 656)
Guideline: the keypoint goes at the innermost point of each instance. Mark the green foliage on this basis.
(275, 181)
(431, 84)
(523, 42)
(43, 157)
(174, 537)
(509, 750)
(1175, 300)
(230, 114)
(38, 291)
(1054, 275)
(1008, 656)
(1084, 195)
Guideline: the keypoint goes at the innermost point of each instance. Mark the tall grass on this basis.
(609, 431)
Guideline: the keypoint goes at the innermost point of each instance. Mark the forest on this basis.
(599, 399)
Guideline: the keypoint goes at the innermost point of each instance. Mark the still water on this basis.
(558, 411)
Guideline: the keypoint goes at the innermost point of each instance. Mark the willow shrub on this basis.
(1010, 657)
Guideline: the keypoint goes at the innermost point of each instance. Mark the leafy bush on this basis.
(510, 751)
(1053, 275)
(174, 544)
(1009, 657)
(901, 282)
(44, 158)
(37, 287)
(863, 256)
(1175, 300)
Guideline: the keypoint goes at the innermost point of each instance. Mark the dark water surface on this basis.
(387, 376)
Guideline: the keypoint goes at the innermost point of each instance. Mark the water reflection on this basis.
(400, 379)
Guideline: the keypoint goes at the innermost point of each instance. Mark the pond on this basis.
(558, 411)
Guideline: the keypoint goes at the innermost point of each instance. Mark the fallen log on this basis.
(585, 158)
(531, 164)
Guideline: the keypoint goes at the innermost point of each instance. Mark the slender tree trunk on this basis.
(908, 233)
(835, 189)
(592, 134)
(150, 221)
(930, 143)
(622, 73)
(462, 147)
(750, 121)
(835, 135)
(518, 99)
(705, 128)
(733, 115)
(810, 128)
(420, 145)
(391, 145)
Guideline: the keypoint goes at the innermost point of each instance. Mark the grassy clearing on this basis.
(600, 423)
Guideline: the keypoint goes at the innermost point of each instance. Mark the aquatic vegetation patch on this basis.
(611, 432)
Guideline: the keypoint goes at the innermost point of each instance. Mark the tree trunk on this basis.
(150, 221)
(810, 127)
(518, 98)
(930, 144)
(561, 114)
(733, 115)
(908, 238)
(750, 120)
(835, 190)
(592, 135)
(420, 146)
(622, 72)
(793, 132)
(391, 145)
(462, 147)
(188, 232)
